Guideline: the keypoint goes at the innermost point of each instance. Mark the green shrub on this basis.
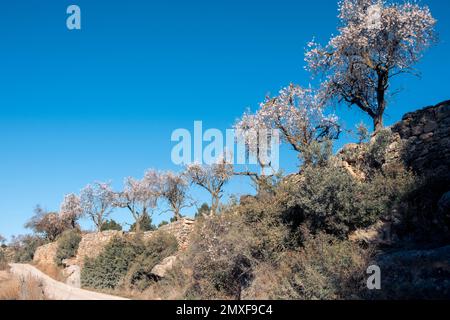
(317, 153)
(67, 245)
(145, 224)
(327, 198)
(377, 149)
(362, 132)
(160, 246)
(128, 262)
(162, 223)
(220, 259)
(24, 247)
(325, 268)
(226, 249)
(204, 210)
(110, 225)
(106, 270)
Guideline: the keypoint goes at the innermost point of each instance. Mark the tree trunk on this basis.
(177, 214)
(378, 122)
(214, 205)
(138, 225)
(383, 78)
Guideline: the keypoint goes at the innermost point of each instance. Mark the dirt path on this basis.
(58, 290)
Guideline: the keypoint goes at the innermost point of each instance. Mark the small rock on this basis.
(426, 136)
(379, 233)
(166, 265)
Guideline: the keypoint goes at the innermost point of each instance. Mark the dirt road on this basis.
(57, 290)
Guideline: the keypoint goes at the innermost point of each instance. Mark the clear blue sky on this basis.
(101, 103)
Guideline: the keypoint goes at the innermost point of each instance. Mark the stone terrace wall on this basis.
(425, 140)
(92, 244)
(45, 254)
(181, 230)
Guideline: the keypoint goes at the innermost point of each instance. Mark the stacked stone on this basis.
(425, 136)
(45, 255)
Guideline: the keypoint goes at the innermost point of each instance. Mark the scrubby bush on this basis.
(204, 210)
(110, 225)
(145, 224)
(377, 149)
(220, 258)
(324, 268)
(106, 270)
(128, 262)
(324, 200)
(24, 247)
(67, 245)
(162, 223)
(362, 132)
(226, 248)
(160, 246)
(327, 198)
(248, 253)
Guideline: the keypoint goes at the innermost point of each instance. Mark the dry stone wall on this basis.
(181, 230)
(45, 254)
(92, 244)
(425, 140)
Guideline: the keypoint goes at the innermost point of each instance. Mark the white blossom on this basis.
(97, 202)
(71, 210)
(298, 114)
(377, 40)
(174, 188)
(212, 178)
(140, 196)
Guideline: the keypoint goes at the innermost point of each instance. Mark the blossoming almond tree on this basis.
(174, 188)
(71, 210)
(298, 114)
(377, 40)
(97, 200)
(140, 196)
(212, 178)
